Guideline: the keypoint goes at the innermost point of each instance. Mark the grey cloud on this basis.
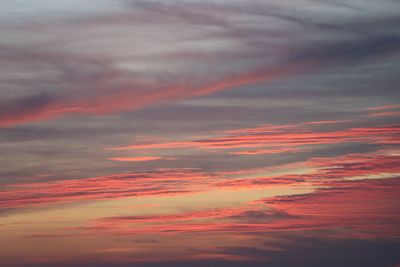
(353, 51)
(80, 75)
(301, 251)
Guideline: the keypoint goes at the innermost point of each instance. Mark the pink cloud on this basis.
(385, 114)
(386, 107)
(362, 209)
(161, 182)
(323, 172)
(285, 137)
(135, 159)
(265, 151)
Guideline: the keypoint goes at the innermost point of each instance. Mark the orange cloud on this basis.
(285, 137)
(355, 165)
(326, 122)
(135, 159)
(325, 172)
(363, 209)
(185, 216)
(161, 182)
(366, 208)
(265, 151)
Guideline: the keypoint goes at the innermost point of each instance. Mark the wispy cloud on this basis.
(324, 172)
(135, 159)
(284, 137)
(162, 182)
(335, 210)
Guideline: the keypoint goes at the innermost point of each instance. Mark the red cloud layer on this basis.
(328, 170)
(365, 209)
(169, 181)
(114, 186)
(281, 136)
(369, 208)
(135, 159)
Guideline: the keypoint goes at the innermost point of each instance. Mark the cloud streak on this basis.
(287, 138)
(135, 159)
(164, 182)
(337, 211)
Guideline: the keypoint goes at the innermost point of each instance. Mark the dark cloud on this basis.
(350, 52)
(301, 251)
(323, 252)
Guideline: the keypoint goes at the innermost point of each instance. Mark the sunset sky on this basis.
(218, 133)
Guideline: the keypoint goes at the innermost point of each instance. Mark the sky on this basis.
(199, 133)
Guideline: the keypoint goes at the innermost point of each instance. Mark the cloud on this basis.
(135, 159)
(265, 151)
(325, 171)
(385, 114)
(280, 139)
(325, 71)
(86, 83)
(264, 139)
(384, 111)
(342, 208)
(386, 107)
(312, 251)
(107, 94)
(299, 251)
(322, 172)
(338, 211)
(187, 216)
(40, 194)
